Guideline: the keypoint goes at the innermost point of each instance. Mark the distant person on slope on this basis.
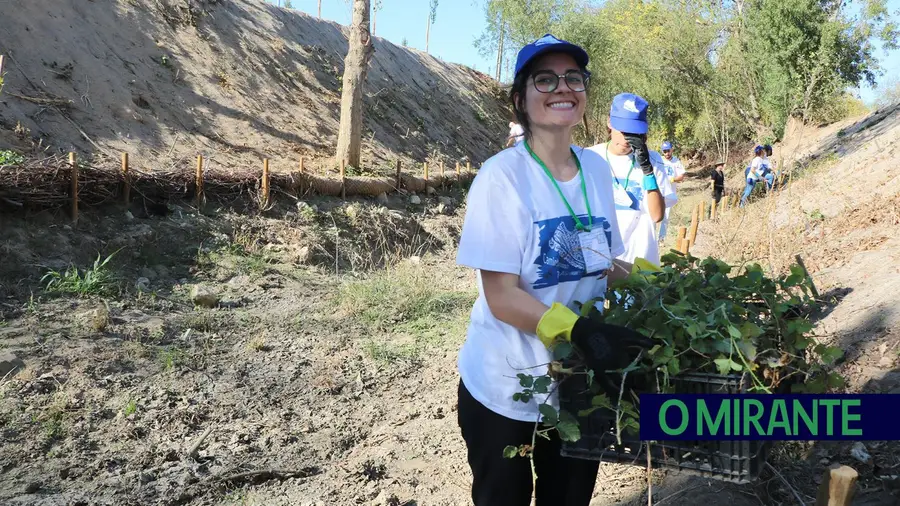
(641, 197)
(753, 173)
(769, 164)
(516, 134)
(540, 229)
(675, 173)
(718, 184)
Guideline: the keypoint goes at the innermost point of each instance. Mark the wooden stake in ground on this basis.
(343, 182)
(458, 177)
(126, 192)
(695, 217)
(265, 183)
(838, 486)
(682, 231)
(398, 175)
(199, 181)
(687, 247)
(702, 210)
(74, 176)
(442, 173)
(426, 175)
(712, 210)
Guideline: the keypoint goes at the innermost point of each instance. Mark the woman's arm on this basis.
(656, 204)
(509, 303)
(620, 270)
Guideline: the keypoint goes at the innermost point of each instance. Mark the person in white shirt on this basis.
(641, 197)
(516, 134)
(753, 173)
(540, 229)
(675, 172)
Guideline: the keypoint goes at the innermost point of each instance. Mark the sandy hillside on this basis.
(235, 80)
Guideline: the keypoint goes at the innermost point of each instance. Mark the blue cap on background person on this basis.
(628, 114)
(547, 44)
(666, 146)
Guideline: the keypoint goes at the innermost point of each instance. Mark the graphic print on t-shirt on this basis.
(634, 191)
(560, 258)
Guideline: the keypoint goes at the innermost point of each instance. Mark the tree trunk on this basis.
(356, 64)
(500, 49)
(427, 32)
(374, 21)
(320, 9)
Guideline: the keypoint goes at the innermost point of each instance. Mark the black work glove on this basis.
(606, 347)
(638, 143)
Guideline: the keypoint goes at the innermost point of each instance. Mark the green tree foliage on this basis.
(714, 72)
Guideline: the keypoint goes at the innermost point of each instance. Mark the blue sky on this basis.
(460, 22)
(457, 25)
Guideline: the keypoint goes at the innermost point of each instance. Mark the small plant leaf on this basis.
(542, 384)
(525, 380)
(548, 414)
(569, 431)
(724, 365)
(562, 351)
(510, 452)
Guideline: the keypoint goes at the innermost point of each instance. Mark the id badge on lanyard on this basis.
(595, 249)
(621, 197)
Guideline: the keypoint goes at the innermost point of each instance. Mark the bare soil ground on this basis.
(324, 374)
(234, 80)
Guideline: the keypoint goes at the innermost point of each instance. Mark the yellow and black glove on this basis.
(603, 346)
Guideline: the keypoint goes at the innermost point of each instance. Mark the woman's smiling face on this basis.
(561, 107)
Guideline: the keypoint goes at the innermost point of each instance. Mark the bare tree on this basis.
(320, 9)
(376, 6)
(500, 47)
(432, 15)
(356, 65)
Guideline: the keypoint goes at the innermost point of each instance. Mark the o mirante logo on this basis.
(767, 416)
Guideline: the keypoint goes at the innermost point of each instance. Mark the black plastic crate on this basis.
(732, 461)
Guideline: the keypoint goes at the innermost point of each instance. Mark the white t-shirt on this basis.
(755, 168)
(674, 168)
(635, 223)
(516, 222)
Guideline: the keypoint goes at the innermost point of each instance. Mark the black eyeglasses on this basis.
(547, 82)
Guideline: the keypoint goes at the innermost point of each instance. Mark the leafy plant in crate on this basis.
(707, 319)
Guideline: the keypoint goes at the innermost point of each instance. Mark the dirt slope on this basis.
(840, 214)
(236, 80)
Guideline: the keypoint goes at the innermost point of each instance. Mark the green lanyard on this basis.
(587, 202)
(627, 176)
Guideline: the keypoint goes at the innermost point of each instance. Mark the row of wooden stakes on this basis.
(687, 236)
(264, 183)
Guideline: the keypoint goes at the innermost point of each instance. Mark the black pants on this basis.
(717, 194)
(500, 481)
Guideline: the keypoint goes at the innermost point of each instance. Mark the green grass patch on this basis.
(95, 280)
(407, 309)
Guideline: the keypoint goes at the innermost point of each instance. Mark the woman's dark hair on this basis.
(518, 86)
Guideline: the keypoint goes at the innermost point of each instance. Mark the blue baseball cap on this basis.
(628, 113)
(666, 146)
(550, 44)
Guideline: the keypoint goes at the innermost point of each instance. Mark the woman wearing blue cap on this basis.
(541, 231)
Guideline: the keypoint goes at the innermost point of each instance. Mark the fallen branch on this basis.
(262, 475)
(50, 102)
(192, 453)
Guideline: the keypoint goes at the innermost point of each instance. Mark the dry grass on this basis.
(408, 308)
